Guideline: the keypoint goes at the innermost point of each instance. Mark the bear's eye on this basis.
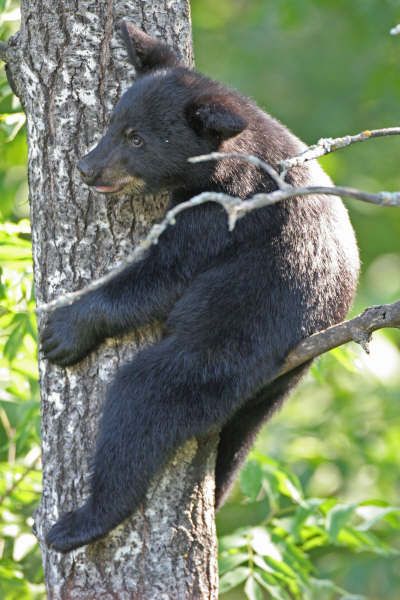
(133, 138)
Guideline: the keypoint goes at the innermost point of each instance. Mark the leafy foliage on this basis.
(21, 575)
(20, 484)
(272, 556)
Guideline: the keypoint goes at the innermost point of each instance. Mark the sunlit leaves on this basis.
(251, 479)
(337, 518)
(10, 124)
(233, 578)
(20, 483)
(274, 558)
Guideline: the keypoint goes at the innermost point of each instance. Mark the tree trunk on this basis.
(69, 67)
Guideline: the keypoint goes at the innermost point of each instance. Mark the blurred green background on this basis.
(322, 518)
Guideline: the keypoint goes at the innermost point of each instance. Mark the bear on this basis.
(232, 303)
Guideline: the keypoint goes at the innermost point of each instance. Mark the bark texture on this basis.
(69, 67)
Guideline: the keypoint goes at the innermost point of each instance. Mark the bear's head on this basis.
(168, 115)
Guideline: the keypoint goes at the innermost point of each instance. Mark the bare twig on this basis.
(321, 148)
(260, 200)
(237, 208)
(253, 160)
(286, 191)
(358, 330)
(138, 253)
(328, 145)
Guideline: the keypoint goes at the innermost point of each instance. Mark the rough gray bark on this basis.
(69, 67)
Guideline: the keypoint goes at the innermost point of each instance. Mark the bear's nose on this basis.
(87, 171)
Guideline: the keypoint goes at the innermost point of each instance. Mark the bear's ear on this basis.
(144, 52)
(215, 116)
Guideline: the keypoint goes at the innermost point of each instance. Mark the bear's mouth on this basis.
(129, 184)
(109, 189)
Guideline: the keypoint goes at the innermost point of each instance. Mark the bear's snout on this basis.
(88, 172)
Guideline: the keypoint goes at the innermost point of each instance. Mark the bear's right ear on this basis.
(216, 116)
(146, 53)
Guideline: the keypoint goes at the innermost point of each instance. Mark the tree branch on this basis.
(235, 208)
(249, 158)
(328, 145)
(228, 202)
(358, 330)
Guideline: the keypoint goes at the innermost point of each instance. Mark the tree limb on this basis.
(235, 208)
(249, 158)
(358, 330)
(228, 202)
(286, 190)
(328, 145)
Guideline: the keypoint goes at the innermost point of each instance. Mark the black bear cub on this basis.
(233, 303)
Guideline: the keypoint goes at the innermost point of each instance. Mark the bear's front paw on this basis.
(75, 529)
(68, 335)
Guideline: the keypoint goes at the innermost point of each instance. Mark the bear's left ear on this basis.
(215, 116)
(145, 52)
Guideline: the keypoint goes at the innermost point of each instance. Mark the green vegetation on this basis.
(21, 575)
(315, 512)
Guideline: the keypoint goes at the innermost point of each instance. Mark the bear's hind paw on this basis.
(75, 529)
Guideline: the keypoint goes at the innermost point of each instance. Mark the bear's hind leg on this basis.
(238, 435)
(165, 396)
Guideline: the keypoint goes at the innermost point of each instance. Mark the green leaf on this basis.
(14, 341)
(262, 544)
(232, 579)
(365, 541)
(290, 486)
(315, 538)
(296, 558)
(12, 584)
(281, 567)
(338, 518)
(236, 540)
(10, 253)
(247, 514)
(253, 590)
(260, 562)
(11, 124)
(326, 585)
(303, 512)
(271, 486)
(228, 560)
(372, 514)
(251, 478)
(346, 356)
(276, 592)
